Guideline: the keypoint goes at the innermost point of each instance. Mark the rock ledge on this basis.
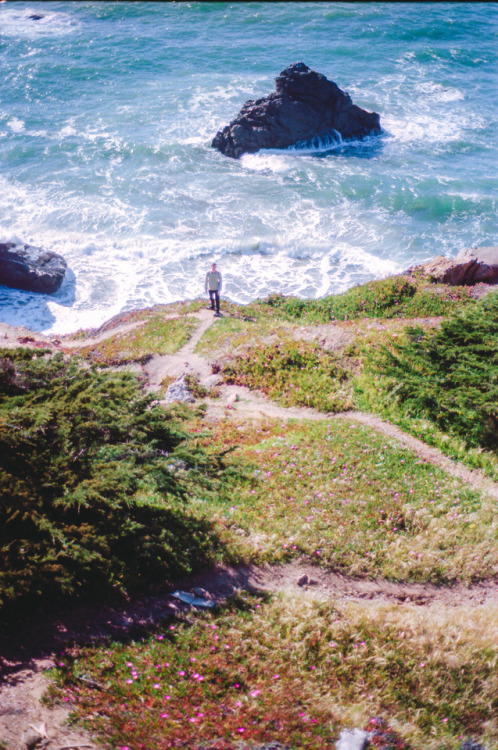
(471, 266)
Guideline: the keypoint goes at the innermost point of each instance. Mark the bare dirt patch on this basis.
(26, 722)
(13, 336)
(185, 361)
(239, 402)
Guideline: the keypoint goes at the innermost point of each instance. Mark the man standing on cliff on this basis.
(213, 286)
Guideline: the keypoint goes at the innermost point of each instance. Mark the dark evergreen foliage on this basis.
(82, 452)
(449, 375)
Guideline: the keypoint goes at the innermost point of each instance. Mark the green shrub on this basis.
(447, 375)
(396, 296)
(295, 372)
(93, 482)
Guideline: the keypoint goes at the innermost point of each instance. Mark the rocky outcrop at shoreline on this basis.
(31, 268)
(471, 266)
(305, 105)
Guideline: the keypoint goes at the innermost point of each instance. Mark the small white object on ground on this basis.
(355, 739)
(195, 601)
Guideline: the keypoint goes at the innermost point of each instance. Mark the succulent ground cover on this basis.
(435, 377)
(348, 498)
(395, 297)
(297, 373)
(290, 670)
(119, 491)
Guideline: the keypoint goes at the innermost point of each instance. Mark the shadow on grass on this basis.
(40, 625)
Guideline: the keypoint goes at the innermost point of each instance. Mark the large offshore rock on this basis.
(471, 266)
(305, 105)
(31, 268)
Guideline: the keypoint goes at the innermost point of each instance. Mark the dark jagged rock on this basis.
(31, 268)
(36, 17)
(305, 105)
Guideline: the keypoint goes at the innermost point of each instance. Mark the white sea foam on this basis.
(269, 161)
(15, 124)
(439, 93)
(109, 163)
(422, 128)
(18, 22)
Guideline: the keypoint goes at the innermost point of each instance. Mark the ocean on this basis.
(108, 109)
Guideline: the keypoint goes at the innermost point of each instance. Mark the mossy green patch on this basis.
(397, 296)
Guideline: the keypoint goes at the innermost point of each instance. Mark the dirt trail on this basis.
(24, 681)
(238, 402)
(474, 478)
(70, 343)
(23, 717)
(184, 361)
(242, 403)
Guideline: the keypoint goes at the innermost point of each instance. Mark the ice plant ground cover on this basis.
(291, 670)
(439, 384)
(351, 499)
(330, 492)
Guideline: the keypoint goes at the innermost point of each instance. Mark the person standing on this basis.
(213, 286)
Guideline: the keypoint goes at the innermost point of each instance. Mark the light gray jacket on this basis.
(213, 281)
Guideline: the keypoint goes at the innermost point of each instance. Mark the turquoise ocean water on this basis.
(107, 111)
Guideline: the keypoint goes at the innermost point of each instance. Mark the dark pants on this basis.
(215, 299)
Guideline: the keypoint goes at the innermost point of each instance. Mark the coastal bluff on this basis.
(305, 105)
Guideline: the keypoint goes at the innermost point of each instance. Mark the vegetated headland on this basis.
(326, 491)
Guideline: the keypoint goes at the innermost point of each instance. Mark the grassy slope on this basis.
(293, 671)
(341, 495)
(349, 498)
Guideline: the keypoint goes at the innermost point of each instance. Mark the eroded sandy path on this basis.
(432, 455)
(237, 402)
(242, 403)
(72, 343)
(24, 718)
(24, 679)
(185, 360)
